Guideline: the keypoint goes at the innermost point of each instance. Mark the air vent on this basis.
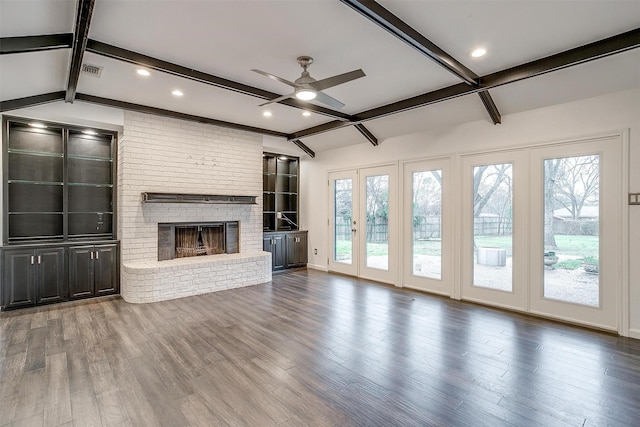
(92, 70)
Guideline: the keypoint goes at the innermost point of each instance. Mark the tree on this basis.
(551, 168)
(579, 181)
(486, 180)
(570, 183)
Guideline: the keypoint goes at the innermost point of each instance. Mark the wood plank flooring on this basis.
(310, 349)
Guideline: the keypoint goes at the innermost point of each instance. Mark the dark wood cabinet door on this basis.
(301, 253)
(296, 250)
(81, 282)
(50, 277)
(279, 252)
(275, 243)
(105, 269)
(19, 278)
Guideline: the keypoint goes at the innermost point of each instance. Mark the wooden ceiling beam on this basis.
(23, 44)
(142, 60)
(80, 37)
(131, 57)
(403, 31)
(30, 101)
(304, 148)
(175, 115)
(579, 55)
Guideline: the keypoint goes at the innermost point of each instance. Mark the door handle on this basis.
(91, 254)
(39, 259)
(97, 255)
(32, 259)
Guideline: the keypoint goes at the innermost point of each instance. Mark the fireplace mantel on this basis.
(197, 198)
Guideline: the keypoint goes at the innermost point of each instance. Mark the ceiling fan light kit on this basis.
(305, 94)
(306, 88)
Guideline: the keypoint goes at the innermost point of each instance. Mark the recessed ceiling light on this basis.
(143, 72)
(306, 113)
(267, 114)
(477, 53)
(38, 125)
(89, 132)
(177, 92)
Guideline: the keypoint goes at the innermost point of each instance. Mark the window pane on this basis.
(426, 218)
(492, 226)
(343, 215)
(571, 224)
(377, 199)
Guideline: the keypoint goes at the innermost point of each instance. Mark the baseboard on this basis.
(634, 333)
(318, 267)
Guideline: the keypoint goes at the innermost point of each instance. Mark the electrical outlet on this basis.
(315, 252)
(634, 198)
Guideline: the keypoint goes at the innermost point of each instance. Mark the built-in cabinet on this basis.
(287, 244)
(92, 270)
(280, 192)
(58, 197)
(296, 249)
(288, 249)
(33, 276)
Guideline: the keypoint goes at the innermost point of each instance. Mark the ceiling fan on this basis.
(307, 88)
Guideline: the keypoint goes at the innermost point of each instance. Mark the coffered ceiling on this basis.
(415, 66)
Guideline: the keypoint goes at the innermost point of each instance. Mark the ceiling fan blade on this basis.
(276, 78)
(278, 99)
(337, 80)
(326, 99)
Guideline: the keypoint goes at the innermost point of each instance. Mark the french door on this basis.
(363, 223)
(427, 226)
(576, 231)
(494, 233)
(542, 230)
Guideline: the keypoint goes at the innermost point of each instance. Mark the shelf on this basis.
(17, 214)
(59, 183)
(197, 198)
(22, 181)
(88, 184)
(34, 153)
(280, 190)
(92, 158)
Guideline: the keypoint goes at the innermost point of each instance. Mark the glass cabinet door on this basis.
(90, 183)
(35, 182)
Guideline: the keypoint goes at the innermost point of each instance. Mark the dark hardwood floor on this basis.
(310, 349)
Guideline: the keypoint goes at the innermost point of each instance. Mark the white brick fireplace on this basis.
(165, 155)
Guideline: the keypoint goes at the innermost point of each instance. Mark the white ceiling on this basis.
(227, 38)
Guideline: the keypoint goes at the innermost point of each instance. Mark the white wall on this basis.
(605, 114)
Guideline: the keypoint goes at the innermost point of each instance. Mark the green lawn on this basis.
(575, 246)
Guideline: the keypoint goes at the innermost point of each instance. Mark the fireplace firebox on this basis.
(179, 240)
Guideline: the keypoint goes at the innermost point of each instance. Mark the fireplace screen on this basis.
(186, 240)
